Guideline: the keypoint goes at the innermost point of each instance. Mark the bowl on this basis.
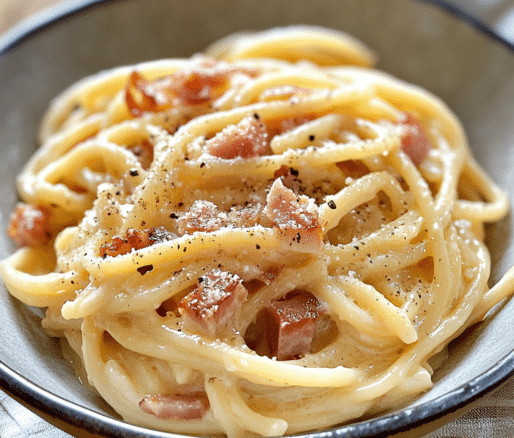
(424, 42)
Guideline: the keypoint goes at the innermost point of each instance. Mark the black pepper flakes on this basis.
(332, 204)
(144, 269)
(133, 172)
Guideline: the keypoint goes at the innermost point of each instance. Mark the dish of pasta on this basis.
(269, 238)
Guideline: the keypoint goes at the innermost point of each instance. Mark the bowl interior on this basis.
(420, 42)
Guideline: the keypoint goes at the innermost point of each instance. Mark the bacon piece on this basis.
(118, 246)
(134, 239)
(202, 216)
(296, 223)
(144, 153)
(246, 139)
(192, 406)
(270, 275)
(198, 86)
(415, 141)
(194, 86)
(292, 324)
(139, 239)
(353, 168)
(247, 216)
(213, 304)
(29, 225)
(282, 171)
(140, 97)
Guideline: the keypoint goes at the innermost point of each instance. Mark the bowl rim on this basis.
(71, 417)
(51, 16)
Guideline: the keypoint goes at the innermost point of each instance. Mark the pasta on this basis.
(269, 238)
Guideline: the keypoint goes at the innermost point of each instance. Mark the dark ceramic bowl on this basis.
(427, 43)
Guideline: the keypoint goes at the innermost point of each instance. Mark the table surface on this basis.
(493, 417)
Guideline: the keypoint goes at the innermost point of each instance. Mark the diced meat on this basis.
(30, 225)
(197, 87)
(292, 324)
(144, 153)
(286, 172)
(269, 275)
(191, 406)
(247, 216)
(160, 234)
(295, 218)
(282, 171)
(415, 140)
(134, 239)
(194, 86)
(215, 301)
(118, 246)
(202, 216)
(246, 139)
(353, 168)
(139, 239)
(141, 97)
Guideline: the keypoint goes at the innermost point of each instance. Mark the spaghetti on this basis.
(267, 239)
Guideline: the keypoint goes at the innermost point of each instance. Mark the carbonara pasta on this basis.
(269, 238)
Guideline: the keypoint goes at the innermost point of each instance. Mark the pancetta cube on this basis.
(214, 303)
(295, 218)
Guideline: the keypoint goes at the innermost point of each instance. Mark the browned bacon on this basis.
(269, 275)
(118, 246)
(192, 406)
(134, 239)
(197, 85)
(282, 172)
(214, 302)
(290, 215)
(415, 141)
(353, 168)
(292, 324)
(29, 225)
(202, 216)
(246, 139)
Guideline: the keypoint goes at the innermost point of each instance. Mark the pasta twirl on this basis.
(269, 238)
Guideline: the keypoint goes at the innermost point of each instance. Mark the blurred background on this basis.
(13, 11)
(497, 14)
